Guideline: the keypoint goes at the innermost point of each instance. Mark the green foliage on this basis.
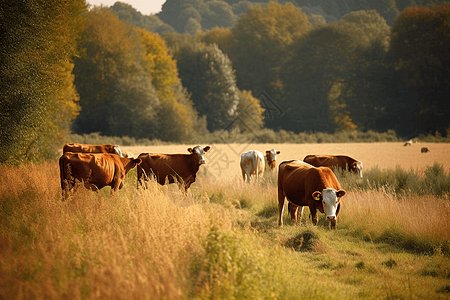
(151, 23)
(260, 45)
(418, 50)
(37, 97)
(116, 93)
(208, 75)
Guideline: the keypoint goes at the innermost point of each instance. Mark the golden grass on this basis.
(419, 219)
(132, 245)
(158, 243)
(223, 159)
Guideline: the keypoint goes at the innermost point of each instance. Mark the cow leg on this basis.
(314, 216)
(280, 208)
(243, 175)
(293, 209)
(296, 213)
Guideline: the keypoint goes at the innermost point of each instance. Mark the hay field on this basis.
(223, 159)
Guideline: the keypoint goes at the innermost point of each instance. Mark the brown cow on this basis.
(82, 148)
(271, 156)
(306, 185)
(335, 161)
(181, 168)
(424, 150)
(95, 170)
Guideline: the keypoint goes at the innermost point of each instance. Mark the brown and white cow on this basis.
(271, 156)
(82, 148)
(95, 170)
(252, 163)
(180, 168)
(305, 185)
(335, 161)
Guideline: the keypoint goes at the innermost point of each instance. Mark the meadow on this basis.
(222, 241)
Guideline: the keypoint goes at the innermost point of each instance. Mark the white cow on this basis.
(252, 163)
(271, 156)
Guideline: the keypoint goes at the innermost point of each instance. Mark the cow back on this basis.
(298, 180)
(168, 166)
(341, 161)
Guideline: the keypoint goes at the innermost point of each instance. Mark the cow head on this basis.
(330, 199)
(128, 164)
(272, 158)
(199, 153)
(357, 167)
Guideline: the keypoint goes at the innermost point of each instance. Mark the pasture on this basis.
(223, 159)
(221, 240)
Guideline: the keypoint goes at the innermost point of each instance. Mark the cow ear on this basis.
(340, 193)
(317, 195)
(278, 152)
(190, 150)
(206, 148)
(137, 161)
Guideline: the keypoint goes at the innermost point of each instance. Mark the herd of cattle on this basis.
(310, 182)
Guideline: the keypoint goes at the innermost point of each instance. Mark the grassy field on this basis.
(221, 240)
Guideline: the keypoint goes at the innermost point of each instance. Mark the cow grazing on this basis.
(305, 185)
(252, 163)
(271, 156)
(181, 168)
(335, 161)
(95, 170)
(82, 148)
(424, 150)
(408, 143)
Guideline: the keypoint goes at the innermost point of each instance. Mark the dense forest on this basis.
(201, 66)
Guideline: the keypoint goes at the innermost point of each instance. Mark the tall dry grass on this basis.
(419, 224)
(220, 241)
(134, 245)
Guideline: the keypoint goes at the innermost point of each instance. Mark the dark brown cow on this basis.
(95, 170)
(335, 161)
(82, 148)
(271, 156)
(306, 185)
(181, 168)
(424, 150)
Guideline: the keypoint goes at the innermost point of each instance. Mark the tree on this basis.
(419, 51)
(317, 74)
(116, 92)
(37, 97)
(262, 37)
(177, 118)
(208, 75)
(152, 23)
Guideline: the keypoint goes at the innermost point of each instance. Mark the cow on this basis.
(95, 170)
(82, 148)
(271, 156)
(252, 163)
(305, 185)
(335, 161)
(180, 168)
(424, 150)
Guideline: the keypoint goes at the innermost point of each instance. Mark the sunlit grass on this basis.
(219, 241)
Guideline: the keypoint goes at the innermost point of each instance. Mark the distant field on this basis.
(223, 159)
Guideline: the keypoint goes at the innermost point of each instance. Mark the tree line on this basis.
(66, 68)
